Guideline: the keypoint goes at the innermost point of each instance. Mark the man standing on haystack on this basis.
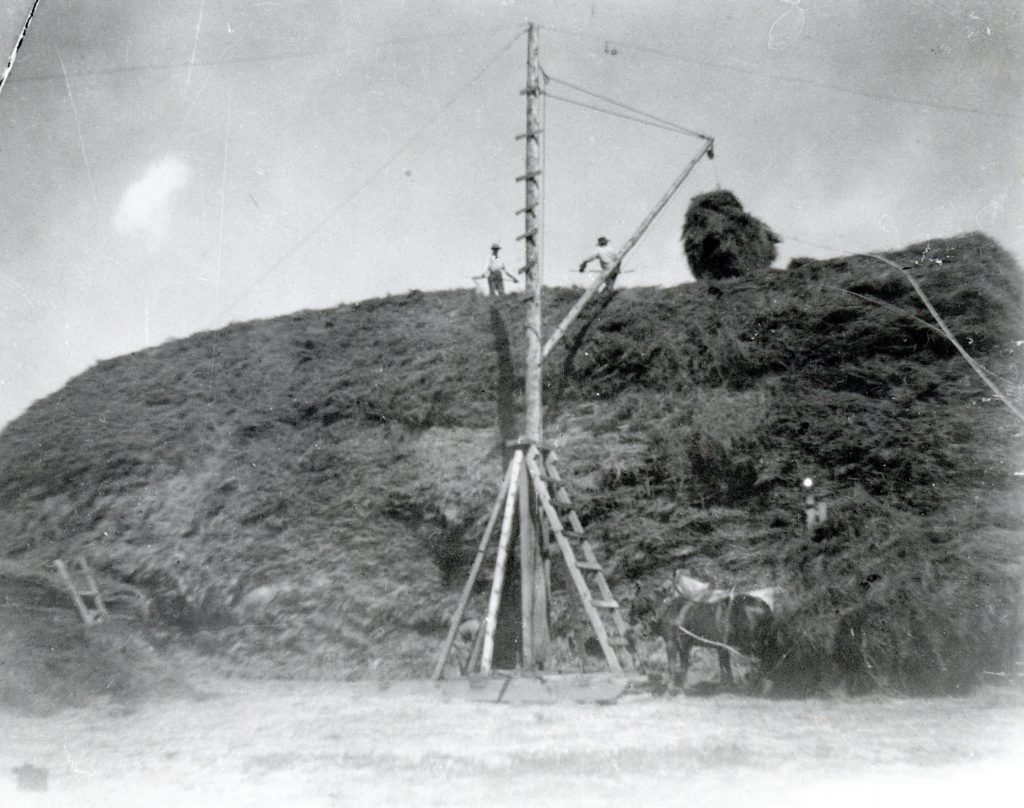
(495, 268)
(609, 259)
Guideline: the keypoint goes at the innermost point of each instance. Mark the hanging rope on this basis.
(380, 169)
(758, 73)
(949, 334)
(585, 105)
(975, 366)
(225, 59)
(654, 118)
(887, 305)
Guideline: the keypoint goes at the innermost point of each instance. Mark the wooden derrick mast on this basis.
(534, 509)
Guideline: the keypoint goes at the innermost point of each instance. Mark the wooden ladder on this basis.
(92, 612)
(602, 610)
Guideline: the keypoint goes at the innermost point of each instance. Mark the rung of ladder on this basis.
(524, 443)
(527, 234)
(572, 534)
(604, 604)
(591, 566)
(525, 135)
(524, 210)
(529, 175)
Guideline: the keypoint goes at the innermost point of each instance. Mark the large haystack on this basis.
(304, 495)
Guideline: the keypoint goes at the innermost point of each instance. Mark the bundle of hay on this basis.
(721, 240)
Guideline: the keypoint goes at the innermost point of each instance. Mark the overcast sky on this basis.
(170, 166)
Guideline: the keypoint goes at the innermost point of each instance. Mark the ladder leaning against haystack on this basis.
(92, 611)
(611, 635)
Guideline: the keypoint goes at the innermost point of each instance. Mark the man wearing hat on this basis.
(495, 268)
(609, 259)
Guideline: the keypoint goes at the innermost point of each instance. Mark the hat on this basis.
(602, 241)
(495, 246)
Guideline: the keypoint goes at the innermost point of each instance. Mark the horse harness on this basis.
(728, 615)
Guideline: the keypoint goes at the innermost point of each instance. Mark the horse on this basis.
(729, 622)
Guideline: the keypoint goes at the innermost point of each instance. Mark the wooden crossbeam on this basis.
(529, 175)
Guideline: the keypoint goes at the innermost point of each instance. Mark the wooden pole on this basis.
(467, 590)
(533, 269)
(534, 603)
(578, 306)
(491, 621)
(528, 552)
(537, 586)
(542, 599)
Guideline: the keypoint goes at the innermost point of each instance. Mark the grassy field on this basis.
(276, 743)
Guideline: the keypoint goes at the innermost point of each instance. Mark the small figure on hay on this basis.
(815, 510)
(495, 272)
(608, 257)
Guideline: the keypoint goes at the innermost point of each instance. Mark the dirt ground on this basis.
(277, 743)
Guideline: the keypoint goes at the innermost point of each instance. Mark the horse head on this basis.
(643, 611)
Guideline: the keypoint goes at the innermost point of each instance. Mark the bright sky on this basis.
(170, 167)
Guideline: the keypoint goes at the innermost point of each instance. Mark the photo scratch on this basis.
(78, 128)
(223, 197)
(195, 46)
(787, 27)
(19, 288)
(192, 106)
